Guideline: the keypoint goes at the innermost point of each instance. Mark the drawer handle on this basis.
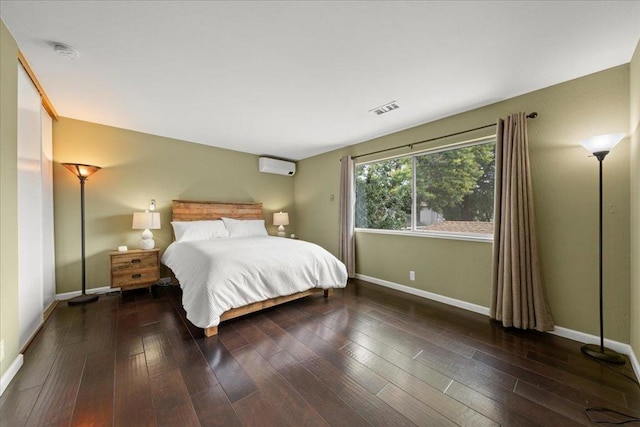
(135, 261)
(136, 276)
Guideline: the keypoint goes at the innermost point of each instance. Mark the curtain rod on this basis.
(529, 116)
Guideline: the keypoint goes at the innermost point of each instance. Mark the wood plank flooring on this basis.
(366, 356)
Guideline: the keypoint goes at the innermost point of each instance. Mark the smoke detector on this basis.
(65, 51)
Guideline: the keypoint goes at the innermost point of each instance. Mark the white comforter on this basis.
(219, 274)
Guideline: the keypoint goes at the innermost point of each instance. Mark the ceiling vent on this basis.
(389, 106)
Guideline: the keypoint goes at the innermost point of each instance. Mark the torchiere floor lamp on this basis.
(600, 146)
(82, 172)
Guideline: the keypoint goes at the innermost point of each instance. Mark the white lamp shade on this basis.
(281, 218)
(602, 143)
(146, 221)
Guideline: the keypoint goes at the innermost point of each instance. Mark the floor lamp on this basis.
(600, 146)
(82, 172)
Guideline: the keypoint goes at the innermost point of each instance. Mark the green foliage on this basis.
(457, 184)
(383, 194)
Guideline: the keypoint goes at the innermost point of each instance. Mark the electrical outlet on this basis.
(412, 275)
(1, 350)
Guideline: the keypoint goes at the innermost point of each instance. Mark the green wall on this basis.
(565, 184)
(8, 197)
(635, 201)
(138, 167)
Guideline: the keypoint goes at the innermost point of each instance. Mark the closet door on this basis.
(48, 249)
(29, 209)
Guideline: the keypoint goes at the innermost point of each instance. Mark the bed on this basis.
(224, 276)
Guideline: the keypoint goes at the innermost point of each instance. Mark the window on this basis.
(441, 192)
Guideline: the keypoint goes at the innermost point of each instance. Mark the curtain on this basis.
(518, 298)
(347, 250)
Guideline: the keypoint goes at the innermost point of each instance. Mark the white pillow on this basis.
(245, 227)
(186, 231)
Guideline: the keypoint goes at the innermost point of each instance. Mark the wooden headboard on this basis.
(190, 210)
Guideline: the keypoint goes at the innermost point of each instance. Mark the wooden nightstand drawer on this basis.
(134, 260)
(121, 279)
(135, 268)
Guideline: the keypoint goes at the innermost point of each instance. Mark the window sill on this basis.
(432, 234)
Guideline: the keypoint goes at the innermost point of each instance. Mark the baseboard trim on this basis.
(558, 330)
(425, 294)
(50, 309)
(590, 339)
(11, 372)
(102, 290)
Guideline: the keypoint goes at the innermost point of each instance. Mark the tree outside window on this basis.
(383, 194)
(454, 191)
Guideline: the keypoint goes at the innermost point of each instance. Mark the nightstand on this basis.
(135, 269)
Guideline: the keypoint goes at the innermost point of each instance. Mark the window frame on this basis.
(474, 237)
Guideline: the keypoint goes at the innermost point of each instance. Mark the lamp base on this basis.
(147, 241)
(83, 299)
(604, 354)
(147, 244)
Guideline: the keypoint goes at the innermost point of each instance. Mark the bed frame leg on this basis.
(328, 293)
(209, 332)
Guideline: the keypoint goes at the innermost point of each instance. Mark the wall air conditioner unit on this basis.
(281, 167)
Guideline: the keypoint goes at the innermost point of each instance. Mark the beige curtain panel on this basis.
(347, 248)
(518, 298)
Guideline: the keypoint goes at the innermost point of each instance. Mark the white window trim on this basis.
(488, 238)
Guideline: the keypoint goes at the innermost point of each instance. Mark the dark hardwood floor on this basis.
(366, 356)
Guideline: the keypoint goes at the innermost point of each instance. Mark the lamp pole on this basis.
(600, 156)
(600, 352)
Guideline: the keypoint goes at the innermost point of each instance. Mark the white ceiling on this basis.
(295, 79)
